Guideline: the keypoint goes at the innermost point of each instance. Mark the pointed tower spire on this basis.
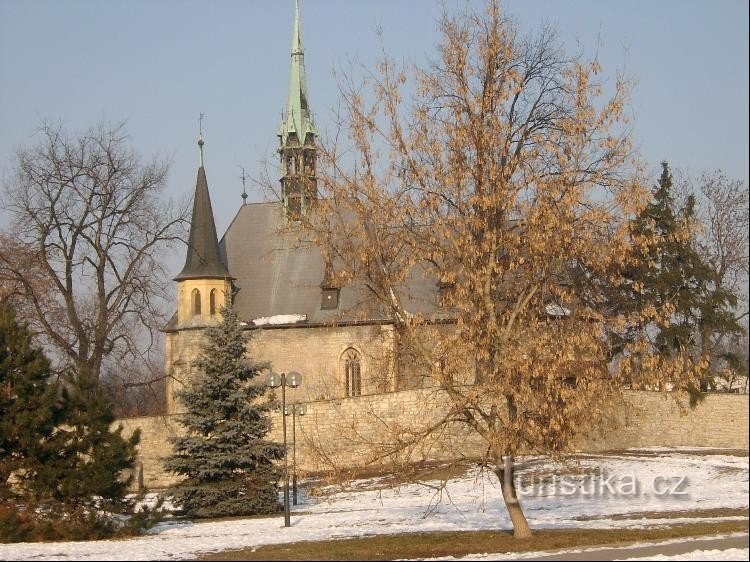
(203, 259)
(298, 119)
(297, 136)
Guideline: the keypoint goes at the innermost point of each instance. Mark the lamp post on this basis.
(292, 380)
(297, 410)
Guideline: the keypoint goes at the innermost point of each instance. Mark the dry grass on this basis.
(428, 545)
(696, 513)
(381, 478)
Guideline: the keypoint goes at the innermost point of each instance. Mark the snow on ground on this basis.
(595, 492)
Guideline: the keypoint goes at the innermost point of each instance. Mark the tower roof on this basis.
(297, 118)
(203, 259)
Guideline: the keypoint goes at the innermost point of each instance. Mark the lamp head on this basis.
(274, 380)
(293, 379)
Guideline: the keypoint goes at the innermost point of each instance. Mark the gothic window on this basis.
(196, 302)
(310, 163)
(212, 302)
(352, 373)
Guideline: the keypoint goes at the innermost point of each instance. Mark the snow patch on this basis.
(280, 319)
(557, 310)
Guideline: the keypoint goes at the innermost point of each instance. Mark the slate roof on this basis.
(202, 258)
(279, 272)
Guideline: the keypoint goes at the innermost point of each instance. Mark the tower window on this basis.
(352, 373)
(196, 302)
(294, 207)
(310, 163)
(212, 302)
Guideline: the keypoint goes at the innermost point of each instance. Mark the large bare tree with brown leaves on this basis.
(507, 177)
(82, 257)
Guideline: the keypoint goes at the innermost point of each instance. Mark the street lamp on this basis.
(297, 410)
(292, 380)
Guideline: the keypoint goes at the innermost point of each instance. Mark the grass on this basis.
(428, 545)
(695, 513)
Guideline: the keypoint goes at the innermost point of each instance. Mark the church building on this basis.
(267, 268)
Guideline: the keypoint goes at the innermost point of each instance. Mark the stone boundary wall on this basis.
(356, 432)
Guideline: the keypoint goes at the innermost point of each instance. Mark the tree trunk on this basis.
(506, 475)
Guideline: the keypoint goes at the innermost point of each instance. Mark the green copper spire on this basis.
(297, 119)
(203, 259)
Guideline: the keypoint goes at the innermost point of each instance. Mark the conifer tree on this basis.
(672, 276)
(86, 460)
(57, 444)
(224, 455)
(28, 408)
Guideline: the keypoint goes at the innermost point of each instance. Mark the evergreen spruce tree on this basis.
(227, 462)
(86, 460)
(28, 407)
(671, 275)
(57, 445)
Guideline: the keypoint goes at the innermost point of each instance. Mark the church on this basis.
(358, 383)
(278, 282)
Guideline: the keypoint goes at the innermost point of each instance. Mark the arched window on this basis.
(212, 302)
(196, 302)
(352, 373)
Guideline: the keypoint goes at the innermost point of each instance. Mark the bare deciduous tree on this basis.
(721, 239)
(82, 257)
(722, 209)
(509, 180)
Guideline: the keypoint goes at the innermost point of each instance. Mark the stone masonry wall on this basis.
(344, 433)
(651, 419)
(316, 352)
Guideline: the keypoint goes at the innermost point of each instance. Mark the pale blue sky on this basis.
(159, 63)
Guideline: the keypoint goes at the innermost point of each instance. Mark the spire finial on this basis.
(244, 192)
(297, 35)
(200, 138)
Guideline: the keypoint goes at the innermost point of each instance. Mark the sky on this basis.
(158, 64)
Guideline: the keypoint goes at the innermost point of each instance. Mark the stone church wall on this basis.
(316, 352)
(345, 433)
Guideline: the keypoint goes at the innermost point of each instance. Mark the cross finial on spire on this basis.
(200, 137)
(244, 192)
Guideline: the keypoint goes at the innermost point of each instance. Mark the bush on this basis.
(61, 522)
(31, 523)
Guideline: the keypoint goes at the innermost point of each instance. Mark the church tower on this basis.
(297, 136)
(204, 284)
(203, 287)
